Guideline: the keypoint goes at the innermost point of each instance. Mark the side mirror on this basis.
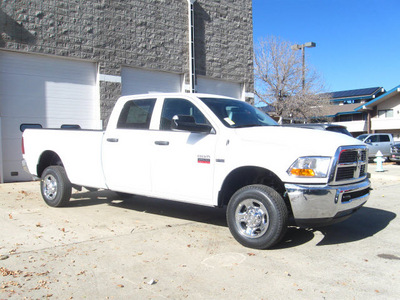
(188, 123)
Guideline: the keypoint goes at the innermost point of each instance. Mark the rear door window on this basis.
(136, 114)
(384, 138)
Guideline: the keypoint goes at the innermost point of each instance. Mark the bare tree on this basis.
(278, 74)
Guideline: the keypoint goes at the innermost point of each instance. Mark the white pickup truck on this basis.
(208, 150)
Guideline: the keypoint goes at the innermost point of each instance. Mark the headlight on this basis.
(312, 166)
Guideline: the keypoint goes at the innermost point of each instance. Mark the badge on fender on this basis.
(203, 159)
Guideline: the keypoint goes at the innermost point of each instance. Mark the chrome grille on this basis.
(395, 149)
(351, 165)
(345, 173)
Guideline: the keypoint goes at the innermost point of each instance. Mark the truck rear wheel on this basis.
(55, 186)
(257, 216)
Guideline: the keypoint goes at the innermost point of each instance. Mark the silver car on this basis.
(377, 142)
(395, 153)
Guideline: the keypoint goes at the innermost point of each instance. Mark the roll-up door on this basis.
(219, 87)
(45, 90)
(140, 81)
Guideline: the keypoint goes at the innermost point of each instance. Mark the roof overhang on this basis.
(353, 98)
(371, 104)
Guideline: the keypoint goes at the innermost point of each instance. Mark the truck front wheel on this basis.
(257, 216)
(55, 186)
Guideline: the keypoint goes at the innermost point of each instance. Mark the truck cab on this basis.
(377, 142)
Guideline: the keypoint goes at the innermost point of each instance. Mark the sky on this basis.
(358, 41)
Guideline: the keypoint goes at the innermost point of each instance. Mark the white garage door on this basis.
(219, 87)
(42, 90)
(139, 81)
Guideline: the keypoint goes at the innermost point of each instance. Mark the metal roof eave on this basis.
(380, 98)
(352, 98)
(348, 113)
(343, 113)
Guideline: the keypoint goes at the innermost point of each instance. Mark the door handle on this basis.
(161, 143)
(112, 140)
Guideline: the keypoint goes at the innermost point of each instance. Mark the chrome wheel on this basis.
(55, 186)
(257, 216)
(251, 218)
(50, 187)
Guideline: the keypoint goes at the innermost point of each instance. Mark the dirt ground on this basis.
(103, 247)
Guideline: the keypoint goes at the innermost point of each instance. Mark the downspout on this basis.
(192, 71)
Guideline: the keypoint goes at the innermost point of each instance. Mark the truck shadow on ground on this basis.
(180, 210)
(363, 224)
(88, 198)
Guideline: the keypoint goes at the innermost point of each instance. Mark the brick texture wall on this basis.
(150, 34)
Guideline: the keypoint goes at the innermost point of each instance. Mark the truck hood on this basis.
(300, 140)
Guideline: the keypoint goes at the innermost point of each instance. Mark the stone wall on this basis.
(224, 40)
(150, 34)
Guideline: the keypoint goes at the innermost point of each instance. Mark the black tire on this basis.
(55, 186)
(257, 216)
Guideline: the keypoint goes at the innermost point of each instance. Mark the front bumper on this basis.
(315, 205)
(395, 157)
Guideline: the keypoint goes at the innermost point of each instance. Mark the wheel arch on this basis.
(48, 158)
(248, 175)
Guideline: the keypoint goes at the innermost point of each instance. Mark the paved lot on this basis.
(104, 248)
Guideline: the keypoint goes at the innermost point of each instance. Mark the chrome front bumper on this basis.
(395, 157)
(324, 204)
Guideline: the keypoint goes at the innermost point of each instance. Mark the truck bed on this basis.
(79, 150)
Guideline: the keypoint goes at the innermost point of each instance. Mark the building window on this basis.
(345, 118)
(385, 113)
(351, 117)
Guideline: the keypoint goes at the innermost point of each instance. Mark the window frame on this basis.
(122, 122)
(383, 113)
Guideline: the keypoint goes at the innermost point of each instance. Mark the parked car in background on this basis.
(323, 126)
(377, 142)
(395, 153)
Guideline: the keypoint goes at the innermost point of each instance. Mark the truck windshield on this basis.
(238, 114)
(339, 130)
(362, 137)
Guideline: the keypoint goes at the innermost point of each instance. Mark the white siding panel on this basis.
(43, 90)
(219, 87)
(139, 81)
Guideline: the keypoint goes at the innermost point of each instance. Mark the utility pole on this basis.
(303, 69)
